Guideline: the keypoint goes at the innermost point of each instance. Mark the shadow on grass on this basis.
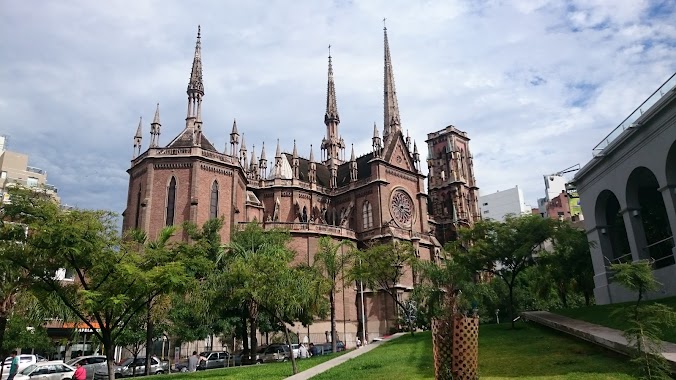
(531, 350)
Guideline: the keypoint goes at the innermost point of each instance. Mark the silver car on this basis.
(91, 364)
(54, 370)
(24, 361)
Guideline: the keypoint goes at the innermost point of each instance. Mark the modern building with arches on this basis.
(628, 196)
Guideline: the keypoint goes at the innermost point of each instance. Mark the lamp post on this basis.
(363, 314)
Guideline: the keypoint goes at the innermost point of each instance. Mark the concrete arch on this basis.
(614, 243)
(645, 204)
(671, 166)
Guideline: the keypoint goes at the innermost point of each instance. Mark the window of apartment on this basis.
(213, 210)
(32, 182)
(171, 201)
(485, 203)
(485, 211)
(367, 215)
(3, 175)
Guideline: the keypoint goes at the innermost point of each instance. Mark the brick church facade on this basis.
(378, 196)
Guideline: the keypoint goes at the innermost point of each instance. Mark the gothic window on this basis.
(138, 209)
(171, 201)
(367, 215)
(213, 210)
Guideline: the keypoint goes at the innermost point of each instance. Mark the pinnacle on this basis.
(331, 102)
(263, 152)
(415, 148)
(295, 150)
(234, 127)
(195, 85)
(278, 152)
(242, 147)
(156, 119)
(312, 154)
(253, 157)
(352, 158)
(139, 130)
(391, 106)
(375, 131)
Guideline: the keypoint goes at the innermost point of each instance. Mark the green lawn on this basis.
(602, 315)
(529, 352)
(271, 371)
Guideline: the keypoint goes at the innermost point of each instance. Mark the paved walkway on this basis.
(316, 370)
(603, 336)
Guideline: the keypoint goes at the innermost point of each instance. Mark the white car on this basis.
(24, 361)
(54, 370)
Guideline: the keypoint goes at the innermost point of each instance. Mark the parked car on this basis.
(24, 361)
(130, 367)
(91, 364)
(275, 353)
(294, 349)
(54, 370)
(325, 348)
(213, 359)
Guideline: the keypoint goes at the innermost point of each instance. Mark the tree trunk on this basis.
(288, 342)
(246, 351)
(332, 301)
(149, 340)
(511, 303)
(587, 298)
(109, 350)
(254, 341)
(3, 352)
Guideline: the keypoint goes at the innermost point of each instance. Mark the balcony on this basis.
(630, 121)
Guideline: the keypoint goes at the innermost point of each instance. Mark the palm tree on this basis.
(330, 261)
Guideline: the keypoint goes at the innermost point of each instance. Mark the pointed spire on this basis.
(295, 150)
(243, 146)
(352, 156)
(195, 84)
(312, 154)
(156, 119)
(234, 127)
(331, 114)
(254, 160)
(139, 130)
(415, 148)
(376, 134)
(278, 152)
(391, 107)
(263, 158)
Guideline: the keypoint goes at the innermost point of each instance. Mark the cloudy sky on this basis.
(536, 84)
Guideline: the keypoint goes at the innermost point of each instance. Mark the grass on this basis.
(270, 371)
(603, 315)
(529, 352)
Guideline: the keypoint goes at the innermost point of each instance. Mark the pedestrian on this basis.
(194, 361)
(80, 372)
(302, 352)
(14, 366)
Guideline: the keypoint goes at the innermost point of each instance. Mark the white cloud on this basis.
(535, 85)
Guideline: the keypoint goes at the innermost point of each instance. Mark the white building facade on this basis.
(498, 205)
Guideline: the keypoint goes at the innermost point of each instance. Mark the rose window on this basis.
(401, 207)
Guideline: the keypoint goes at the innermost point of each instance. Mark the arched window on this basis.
(138, 209)
(367, 215)
(213, 210)
(171, 201)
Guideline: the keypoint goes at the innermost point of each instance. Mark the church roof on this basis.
(185, 140)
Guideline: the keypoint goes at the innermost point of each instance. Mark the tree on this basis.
(113, 280)
(645, 321)
(258, 272)
(572, 262)
(505, 249)
(381, 267)
(331, 262)
(15, 279)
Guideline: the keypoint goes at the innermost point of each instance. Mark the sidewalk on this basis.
(316, 370)
(603, 336)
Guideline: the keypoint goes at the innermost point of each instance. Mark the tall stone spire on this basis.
(312, 171)
(195, 89)
(392, 121)
(278, 161)
(377, 143)
(242, 152)
(155, 128)
(353, 166)
(263, 163)
(295, 162)
(332, 143)
(137, 138)
(234, 139)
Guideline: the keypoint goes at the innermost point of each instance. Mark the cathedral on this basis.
(378, 196)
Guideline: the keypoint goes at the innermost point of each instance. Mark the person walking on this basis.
(194, 361)
(302, 352)
(14, 366)
(80, 372)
